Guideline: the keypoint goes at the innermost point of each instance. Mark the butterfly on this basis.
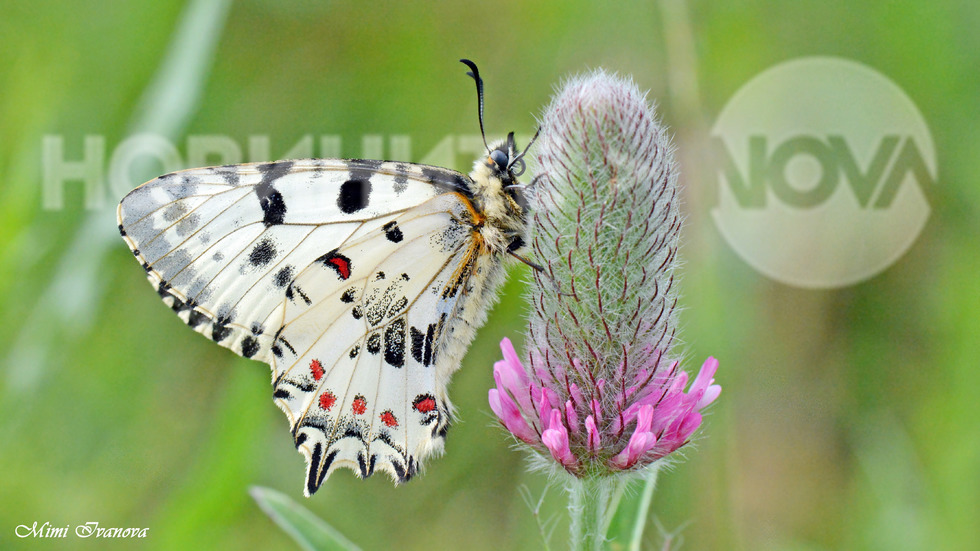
(360, 282)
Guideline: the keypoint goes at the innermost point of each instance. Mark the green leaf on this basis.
(309, 531)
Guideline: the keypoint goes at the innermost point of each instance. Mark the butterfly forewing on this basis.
(343, 275)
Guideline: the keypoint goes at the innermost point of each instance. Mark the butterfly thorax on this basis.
(504, 219)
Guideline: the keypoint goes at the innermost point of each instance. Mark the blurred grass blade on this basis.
(309, 531)
(627, 526)
(66, 308)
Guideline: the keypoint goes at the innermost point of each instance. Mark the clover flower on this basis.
(648, 420)
(602, 391)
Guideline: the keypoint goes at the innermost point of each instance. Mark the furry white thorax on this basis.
(504, 217)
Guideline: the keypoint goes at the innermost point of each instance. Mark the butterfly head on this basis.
(505, 164)
(504, 161)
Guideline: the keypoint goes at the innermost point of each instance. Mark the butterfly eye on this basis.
(499, 158)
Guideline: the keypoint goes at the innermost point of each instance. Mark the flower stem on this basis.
(593, 503)
(644, 509)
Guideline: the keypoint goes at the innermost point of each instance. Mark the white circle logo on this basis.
(822, 166)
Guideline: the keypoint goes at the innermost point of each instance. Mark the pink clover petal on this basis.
(553, 400)
(688, 425)
(594, 407)
(705, 376)
(510, 416)
(678, 384)
(576, 393)
(505, 384)
(593, 442)
(510, 356)
(710, 395)
(644, 418)
(542, 407)
(506, 377)
(555, 438)
(639, 443)
(571, 417)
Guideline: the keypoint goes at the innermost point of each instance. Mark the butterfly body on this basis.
(360, 282)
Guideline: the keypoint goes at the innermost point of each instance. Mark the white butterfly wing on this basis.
(344, 276)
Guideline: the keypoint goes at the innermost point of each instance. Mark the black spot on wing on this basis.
(174, 212)
(404, 475)
(348, 295)
(401, 178)
(263, 253)
(327, 462)
(220, 329)
(177, 305)
(423, 344)
(444, 429)
(377, 306)
(228, 173)
(374, 343)
(196, 318)
(293, 290)
(393, 232)
(397, 306)
(250, 346)
(418, 341)
(354, 196)
(312, 476)
(283, 276)
(448, 180)
(366, 466)
(394, 343)
(270, 199)
(427, 348)
(362, 169)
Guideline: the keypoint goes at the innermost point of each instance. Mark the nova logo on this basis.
(823, 167)
(874, 186)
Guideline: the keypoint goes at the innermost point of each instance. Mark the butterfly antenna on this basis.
(475, 73)
(528, 146)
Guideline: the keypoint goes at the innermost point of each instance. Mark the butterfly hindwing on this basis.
(365, 391)
(342, 275)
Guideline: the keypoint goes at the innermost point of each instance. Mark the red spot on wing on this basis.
(338, 262)
(327, 400)
(388, 418)
(360, 405)
(424, 403)
(342, 265)
(316, 369)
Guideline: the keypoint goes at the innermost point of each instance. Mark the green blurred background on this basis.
(849, 418)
